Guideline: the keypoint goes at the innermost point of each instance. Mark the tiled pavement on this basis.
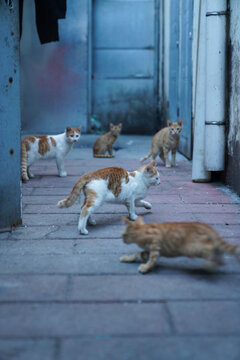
(64, 296)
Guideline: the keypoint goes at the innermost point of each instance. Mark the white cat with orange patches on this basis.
(113, 185)
(34, 148)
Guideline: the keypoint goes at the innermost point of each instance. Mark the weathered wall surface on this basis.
(233, 141)
(54, 75)
(10, 186)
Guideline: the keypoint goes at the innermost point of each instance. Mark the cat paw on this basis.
(25, 179)
(174, 165)
(143, 269)
(133, 217)
(168, 165)
(61, 204)
(123, 258)
(63, 174)
(92, 222)
(83, 231)
(147, 205)
(211, 266)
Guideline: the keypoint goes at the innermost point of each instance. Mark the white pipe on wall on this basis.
(199, 173)
(215, 84)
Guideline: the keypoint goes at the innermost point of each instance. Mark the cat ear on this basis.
(111, 125)
(153, 163)
(149, 168)
(126, 220)
(120, 124)
(80, 128)
(139, 220)
(68, 128)
(180, 122)
(169, 123)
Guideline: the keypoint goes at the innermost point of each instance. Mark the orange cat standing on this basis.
(105, 142)
(165, 140)
(172, 239)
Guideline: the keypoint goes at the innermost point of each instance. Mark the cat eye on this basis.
(71, 135)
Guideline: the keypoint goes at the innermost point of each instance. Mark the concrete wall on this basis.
(233, 140)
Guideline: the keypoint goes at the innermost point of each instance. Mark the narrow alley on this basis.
(67, 296)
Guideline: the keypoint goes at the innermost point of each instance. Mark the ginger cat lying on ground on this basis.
(114, 185)
(34, 148)
(165, 140)
(105, 142)
(172, 239)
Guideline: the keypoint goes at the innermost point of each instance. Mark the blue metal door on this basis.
(10, 181)
(125, 66)
(181, 70)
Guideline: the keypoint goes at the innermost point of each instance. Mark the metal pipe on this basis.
(199, 173)
(215, 84)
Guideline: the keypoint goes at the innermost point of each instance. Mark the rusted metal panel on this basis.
(10, 185)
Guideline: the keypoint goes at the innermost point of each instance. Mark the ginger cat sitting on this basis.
(34, 148)
(105, 142)
(165, 140)
(172, 239)
(113, 185)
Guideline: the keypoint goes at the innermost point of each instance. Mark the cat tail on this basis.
(74, 194)
(24, 162)
(147, 156)
(102, 156)
(230, 249)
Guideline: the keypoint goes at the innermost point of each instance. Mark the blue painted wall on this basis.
(10, 185)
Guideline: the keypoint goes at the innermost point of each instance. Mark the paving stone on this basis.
(82, 319)
(211, 218)
(98, 264)
(205, 199)
(37, 288)
(206, 317)
(43, 264)
(44, 199)
(4, 236)
(101, 231)
(66, 247)
(227, 230)
(49, 219)
(27, 349)
(155, 286)
(32, 232)
(33, 247)
(49, 191)
(154, 348)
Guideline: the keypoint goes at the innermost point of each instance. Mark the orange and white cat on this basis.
(104, 143)
(34, 148)
(172, 239)
(165, 140)
(113, 185)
